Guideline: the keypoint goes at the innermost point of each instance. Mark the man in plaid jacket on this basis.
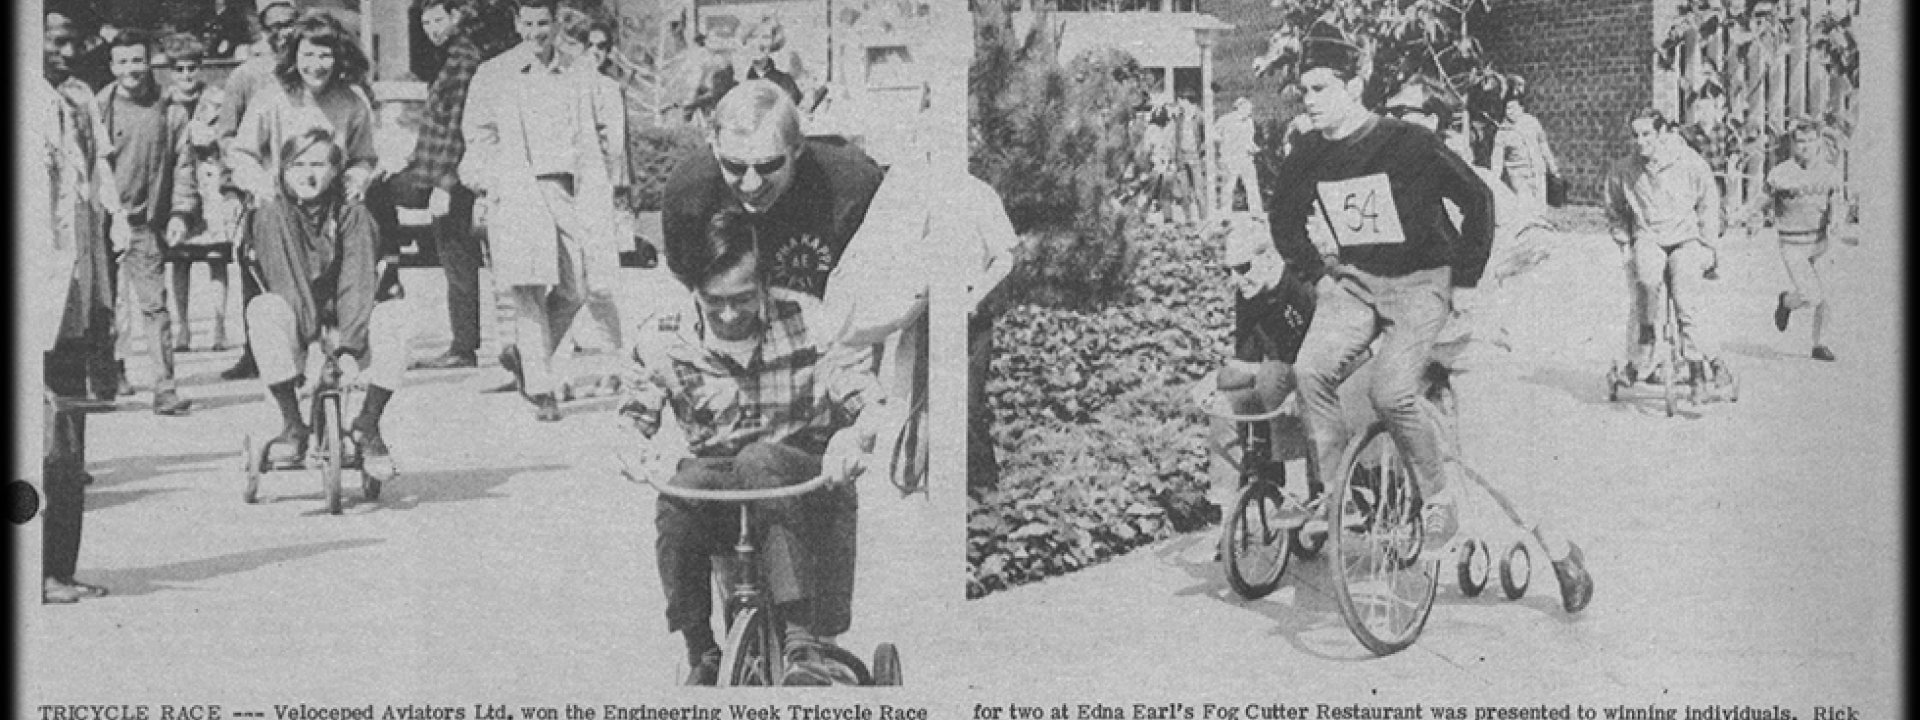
(433, 172)
(763, 396)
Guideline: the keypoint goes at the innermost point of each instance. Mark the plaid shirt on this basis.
(798, 388)
(437, 153)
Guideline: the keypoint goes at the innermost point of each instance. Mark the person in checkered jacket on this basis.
(762, 395)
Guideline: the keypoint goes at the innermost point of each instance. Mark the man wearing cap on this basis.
(1379, 185)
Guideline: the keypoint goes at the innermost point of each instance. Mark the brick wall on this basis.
(1588, 65)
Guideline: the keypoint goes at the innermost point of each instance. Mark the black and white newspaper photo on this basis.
(1261, 359)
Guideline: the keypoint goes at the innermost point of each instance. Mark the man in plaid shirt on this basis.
(432, 171)
(763, 396)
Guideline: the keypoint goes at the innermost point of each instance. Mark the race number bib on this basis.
(1361, 211)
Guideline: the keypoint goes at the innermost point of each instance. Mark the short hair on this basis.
(753, 103)
(261, 15)
(453, 7)
(770, 27)
(551, 6)
(573, 23)
(349, 63)
(1517, 90)
(184, 46)
(1660, 121)
(1429, 96)
(729, 239)
(134, 38)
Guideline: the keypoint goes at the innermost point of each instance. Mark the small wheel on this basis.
(1516, 570)
(1384, 591)
(1475, 567)
(752, 656)
(1253, 542)
(330, 455)
(886, 665)
(250, 463)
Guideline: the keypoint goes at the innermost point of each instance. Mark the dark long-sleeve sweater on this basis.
(1418, 172)
(321, 261)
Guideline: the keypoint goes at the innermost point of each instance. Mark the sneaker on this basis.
(1576, 586)
(706, 671)
(808, 666)
(375, 460)
(1439, 522)
(1821, 353)
(1781, 313)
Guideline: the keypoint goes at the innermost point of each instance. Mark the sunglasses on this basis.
(764, 168)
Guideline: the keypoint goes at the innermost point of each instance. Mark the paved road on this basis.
(509, 562)
(1744, 553)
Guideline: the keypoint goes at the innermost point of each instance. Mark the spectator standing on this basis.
(1237, 151)
(147, 135)
(59, 189)
(211, 239)
(255, 73)
(534, 152)
(1190, 140)
(84, 355)
(805, 198)
(1521, 152)
(434, 170)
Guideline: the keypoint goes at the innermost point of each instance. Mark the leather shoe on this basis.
(1781, 313)
(510, 361)
(84, 590)
(243, 370)
(546, 408)
(1576, 586)
(1821, 353)
(168, 402)
(54, 592)
(706, 672)
(448, 361)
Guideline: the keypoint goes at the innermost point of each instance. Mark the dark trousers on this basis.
(453, 240)
(806, 544)
(63, 467)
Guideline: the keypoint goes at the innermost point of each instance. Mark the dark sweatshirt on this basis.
(1419, 172)
(321, 261)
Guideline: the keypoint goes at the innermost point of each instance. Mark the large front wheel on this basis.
(752, 656)
(1384, 587)
(1254, 545)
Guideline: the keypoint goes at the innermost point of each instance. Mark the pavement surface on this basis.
(1744, 553)
(509, 562)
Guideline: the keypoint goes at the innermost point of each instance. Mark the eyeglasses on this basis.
(764, 167)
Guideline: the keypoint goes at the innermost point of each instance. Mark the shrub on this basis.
(1100, 451)
(1054, 139)
(652, 153)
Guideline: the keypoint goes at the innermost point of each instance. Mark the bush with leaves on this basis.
(1100, 449)
(1054, 138)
